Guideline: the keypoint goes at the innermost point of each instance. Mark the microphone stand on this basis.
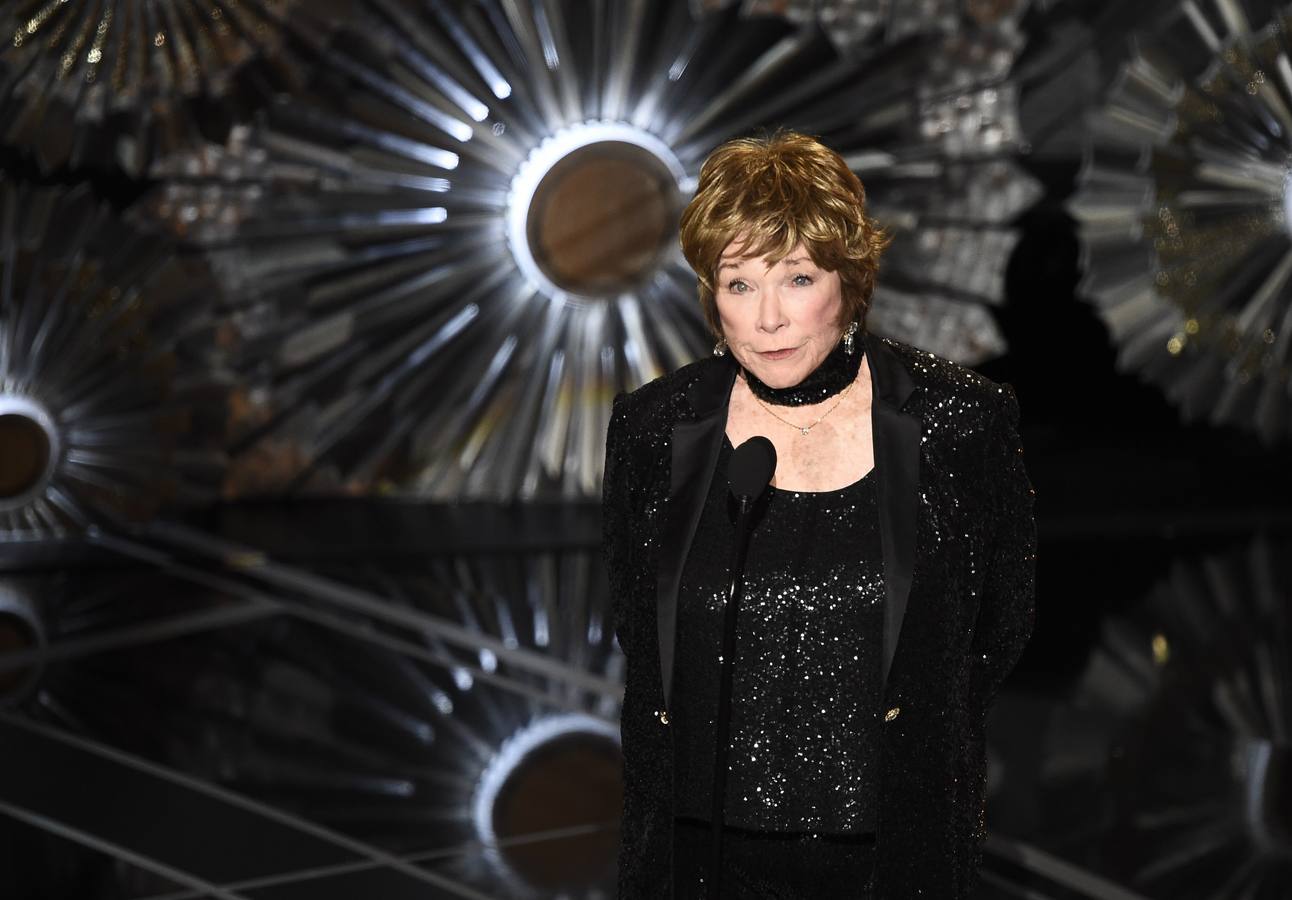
(722, 730)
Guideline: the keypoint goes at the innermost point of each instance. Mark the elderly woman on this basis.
(889, 582)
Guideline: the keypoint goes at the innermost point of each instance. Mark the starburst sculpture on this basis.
(1183, 210)
(21, 629)
(104, 371)
(1168, 768)
(95, 83)
(452, 250)
(428, 714)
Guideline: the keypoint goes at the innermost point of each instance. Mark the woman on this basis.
(889, 583)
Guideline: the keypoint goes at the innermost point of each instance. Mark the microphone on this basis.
(752, 465)
(749, 472)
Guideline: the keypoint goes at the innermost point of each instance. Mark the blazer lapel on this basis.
(696, 444)
(897, 461)
(695, 447)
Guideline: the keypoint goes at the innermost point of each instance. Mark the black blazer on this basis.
(959, 550)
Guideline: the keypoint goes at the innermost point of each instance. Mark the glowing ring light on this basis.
(36, 414)
(513, 752)
(540, 163)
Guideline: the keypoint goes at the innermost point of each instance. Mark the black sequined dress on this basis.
(801, 784)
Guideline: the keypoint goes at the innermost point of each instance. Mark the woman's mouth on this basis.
(785, 353)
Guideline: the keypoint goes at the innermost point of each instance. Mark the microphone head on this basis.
(751, 468)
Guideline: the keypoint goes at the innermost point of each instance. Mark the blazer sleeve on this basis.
(615, 516)
(1007, 606)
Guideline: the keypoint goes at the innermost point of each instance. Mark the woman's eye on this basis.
(802, 280)
(737, 287)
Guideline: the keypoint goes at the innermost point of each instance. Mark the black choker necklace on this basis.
(835, 373)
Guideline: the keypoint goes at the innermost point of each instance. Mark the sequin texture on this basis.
(968, 613)
(806, 676)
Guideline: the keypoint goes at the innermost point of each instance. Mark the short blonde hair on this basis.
(777, 192)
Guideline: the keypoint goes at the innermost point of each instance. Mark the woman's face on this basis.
(780, 321)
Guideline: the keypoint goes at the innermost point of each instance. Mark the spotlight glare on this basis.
(540, 162)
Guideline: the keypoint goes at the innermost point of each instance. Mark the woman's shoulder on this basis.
(664, 399)
(947, 383)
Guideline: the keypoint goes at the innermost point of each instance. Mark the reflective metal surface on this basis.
(1168, 770)
(107, 84)
(1183, 212)
(21, 630)
(418, 712)
(104, 363)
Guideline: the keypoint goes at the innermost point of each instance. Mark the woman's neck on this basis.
(835, 372)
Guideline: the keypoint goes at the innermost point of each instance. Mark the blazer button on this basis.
(892, 714)
(662, 715)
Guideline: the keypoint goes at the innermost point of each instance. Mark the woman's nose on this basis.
(771, 315)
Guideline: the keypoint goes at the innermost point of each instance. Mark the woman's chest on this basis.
(818, 448)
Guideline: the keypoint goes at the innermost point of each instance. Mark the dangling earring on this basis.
(720, 348)
(848, 343)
